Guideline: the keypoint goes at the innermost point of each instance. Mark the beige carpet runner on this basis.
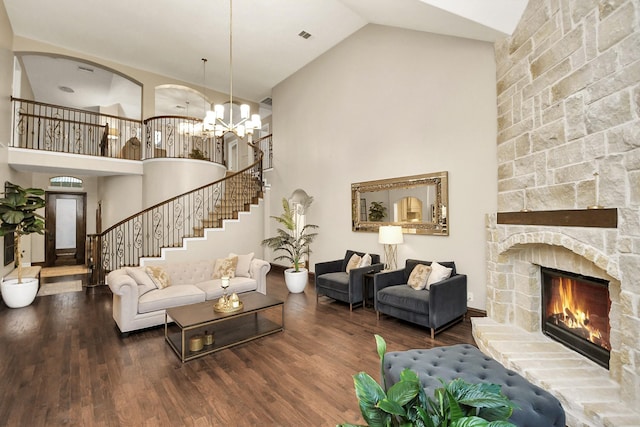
(55, 288)
(65, 270)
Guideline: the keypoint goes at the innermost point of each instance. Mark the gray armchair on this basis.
(437, 308)
(333, 281)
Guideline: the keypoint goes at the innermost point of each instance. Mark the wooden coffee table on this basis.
(261, 315)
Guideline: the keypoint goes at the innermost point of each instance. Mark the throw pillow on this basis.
(438, 273)
(139, 274)
(244, 263)
(225, 267)
(159, 276)
(365, 261)
(418, 277)
(354, 262)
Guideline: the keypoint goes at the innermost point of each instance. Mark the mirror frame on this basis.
(438, 228)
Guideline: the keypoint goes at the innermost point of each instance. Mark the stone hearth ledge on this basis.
(589, 397)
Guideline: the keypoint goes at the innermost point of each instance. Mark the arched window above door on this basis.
(65, 182)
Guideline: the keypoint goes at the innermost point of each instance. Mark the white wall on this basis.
(160, 180)
(385, 103)
(121, 197)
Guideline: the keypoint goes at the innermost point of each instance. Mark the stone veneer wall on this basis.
(569, 107)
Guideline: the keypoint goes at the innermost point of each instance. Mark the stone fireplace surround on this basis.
(511, 332)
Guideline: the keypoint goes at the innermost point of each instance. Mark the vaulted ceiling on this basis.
(170, 37)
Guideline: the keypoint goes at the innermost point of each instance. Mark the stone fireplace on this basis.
(512, 330)
(568, 104)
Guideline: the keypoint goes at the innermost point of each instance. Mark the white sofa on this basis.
(136, 306)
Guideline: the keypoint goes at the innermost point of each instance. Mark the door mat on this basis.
(55, 288)
(65, 270)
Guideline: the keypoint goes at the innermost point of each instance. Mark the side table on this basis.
(367, 290)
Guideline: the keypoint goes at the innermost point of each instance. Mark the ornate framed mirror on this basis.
(419, 204)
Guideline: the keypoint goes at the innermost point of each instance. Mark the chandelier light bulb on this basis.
(219, 109)
(245, 111)
(256, 121)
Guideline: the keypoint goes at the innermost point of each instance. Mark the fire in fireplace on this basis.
(575, 311)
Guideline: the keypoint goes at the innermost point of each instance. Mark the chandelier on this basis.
(213, 121)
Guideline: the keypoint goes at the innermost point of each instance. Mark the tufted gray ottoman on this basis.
(537, 407)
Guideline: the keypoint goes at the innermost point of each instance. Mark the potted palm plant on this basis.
(294, 242)
(18, 216)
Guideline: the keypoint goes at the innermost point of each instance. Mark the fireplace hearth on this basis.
(575, 312)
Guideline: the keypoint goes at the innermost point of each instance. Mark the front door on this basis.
(66, 228)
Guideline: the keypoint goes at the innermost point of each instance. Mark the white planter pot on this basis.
(296, 280)
(19, 295)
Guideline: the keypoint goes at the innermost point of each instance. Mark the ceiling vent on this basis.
(267, 101)
(304, 34)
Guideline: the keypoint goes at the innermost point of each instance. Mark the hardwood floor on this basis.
(64, 363)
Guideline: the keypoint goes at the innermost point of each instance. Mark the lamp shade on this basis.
(390, 235)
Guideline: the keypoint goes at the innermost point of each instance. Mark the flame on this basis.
(571, 312)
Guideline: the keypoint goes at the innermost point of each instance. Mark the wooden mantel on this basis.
(602, 218)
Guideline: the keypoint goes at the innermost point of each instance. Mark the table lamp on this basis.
(390, 236)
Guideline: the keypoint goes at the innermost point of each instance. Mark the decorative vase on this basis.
(296, 280)
(16, 295)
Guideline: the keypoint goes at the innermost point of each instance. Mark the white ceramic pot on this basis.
(16, 295)
(296, 280)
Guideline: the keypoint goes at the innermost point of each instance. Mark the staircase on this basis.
(167, 224)
(230, 204)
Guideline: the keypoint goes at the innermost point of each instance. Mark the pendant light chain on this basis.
(204, 83)
(214, 120)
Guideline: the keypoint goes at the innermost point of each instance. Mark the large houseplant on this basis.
(456, 404)
(293, 242)
(18, 216)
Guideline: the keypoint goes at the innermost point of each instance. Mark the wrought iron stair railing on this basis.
(167, 224)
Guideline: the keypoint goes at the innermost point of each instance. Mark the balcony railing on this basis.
(166, 224)
(178, 136)
(47, 127)
(265, 144)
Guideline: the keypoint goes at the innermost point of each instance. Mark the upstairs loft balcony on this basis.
(48, 137)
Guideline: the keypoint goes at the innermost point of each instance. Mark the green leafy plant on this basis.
(456, 404)
(196, 153)
(18, 215)
(377, 211)
(295, 245)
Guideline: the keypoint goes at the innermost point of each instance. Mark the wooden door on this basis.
(65, 216)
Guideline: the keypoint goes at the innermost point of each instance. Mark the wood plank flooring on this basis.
(64, 363)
